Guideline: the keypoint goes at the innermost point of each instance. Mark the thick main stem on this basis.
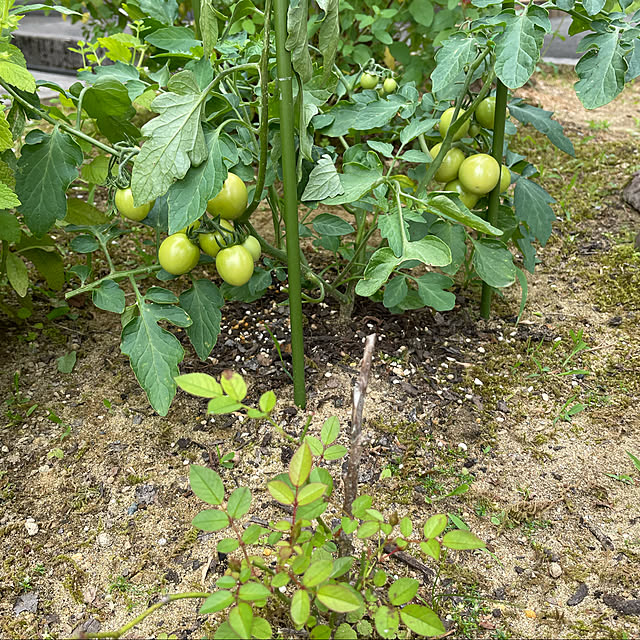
(494, 197)
(290, 204)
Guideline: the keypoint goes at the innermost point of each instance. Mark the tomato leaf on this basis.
(47, 166)
(109, 297)
(297, 42)
(154, 354)
(493, 262)
(174, 139)
(431, 289)
(324, 181)
(377, 271)
(518, 49)
(13, 68)
(532, 206)
(456, 52)
(203, 302)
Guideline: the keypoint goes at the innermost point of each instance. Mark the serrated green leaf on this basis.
(317, 572)
(227, 545)
(252, 533)
(532, 206)
(345, 632)
(456, 53)
(109, 297)
(395, 291)
(518, 50)
(47, 166)
(324, 181)
(422, 620)
(6, 139)
(154, 354)
(8, 199)
(203, 302)
(493, 262)
(13, 68)
(261, 629)
(172, 138)
(368, 529)
(601, 69)
(444, 207)
(297, 42)
(422, 12)
(49, 264)
(96, 171)
(327, 224)
(431, 290)
(543, 122)
(431, 548)
(241, 619)
(339, 598)
(315, 445)
(187, 198)
(67, 362)
(211, 520)
(415, 128)
(82, 213)
(206, 484)
(380, 266)
(430, 251)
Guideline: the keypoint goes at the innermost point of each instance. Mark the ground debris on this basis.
(578, 596)
(625, 607)
(26, 602)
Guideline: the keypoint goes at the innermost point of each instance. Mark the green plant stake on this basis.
(497, 152)
(290, 182)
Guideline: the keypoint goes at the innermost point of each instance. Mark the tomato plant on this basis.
(177, 254)
(235, 265)
(252, 245)
(196, 105)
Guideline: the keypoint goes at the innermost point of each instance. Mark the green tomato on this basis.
(211, 243)
(505, 178)
(389, 85)
(451, 162)
(445, 123)
(232, 200)
(235, 265)
(193, 226)
(252, 245)
(468, 199)
(474, 130)
(486, 112)
(178, 254)
(368, 81)
(124, 204)
(479, 173)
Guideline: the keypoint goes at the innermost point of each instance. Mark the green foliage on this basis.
(187, 95)
(315, 574)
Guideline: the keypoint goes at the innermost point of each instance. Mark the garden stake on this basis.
(494, 196)
(290, 205)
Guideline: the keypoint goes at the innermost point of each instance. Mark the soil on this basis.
(535, 416)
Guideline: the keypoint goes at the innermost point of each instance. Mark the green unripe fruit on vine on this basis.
(445, 123)
(505, 178)
(469, 200)
(368, 81)
(479, 173)
(389, 85)
(448, 169)
(486, 112)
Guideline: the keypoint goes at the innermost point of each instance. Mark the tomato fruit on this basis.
(445, 123)
(211, 243)
(451, 162)
(368, 81)
(178, 254)
(235, 265)
(252, 245)
(232, 200)
(474, 130)
(469, 200)
(505, 178)
(479, 173)
(486, 112)
(124, 204)
(389, 85)
(193, 226)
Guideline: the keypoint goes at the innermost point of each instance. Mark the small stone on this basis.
(578, 596)
(162, 542)
(5, 449)
(104, 540)
(555, 570)
(477, 382)
(26, 602)
(31, 526)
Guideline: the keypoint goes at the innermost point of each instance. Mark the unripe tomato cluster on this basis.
(179, 253)
(472, 176)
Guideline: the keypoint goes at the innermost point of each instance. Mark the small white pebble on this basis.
(478, 382)
(463, 446)
(545, 397)
(481, 350)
